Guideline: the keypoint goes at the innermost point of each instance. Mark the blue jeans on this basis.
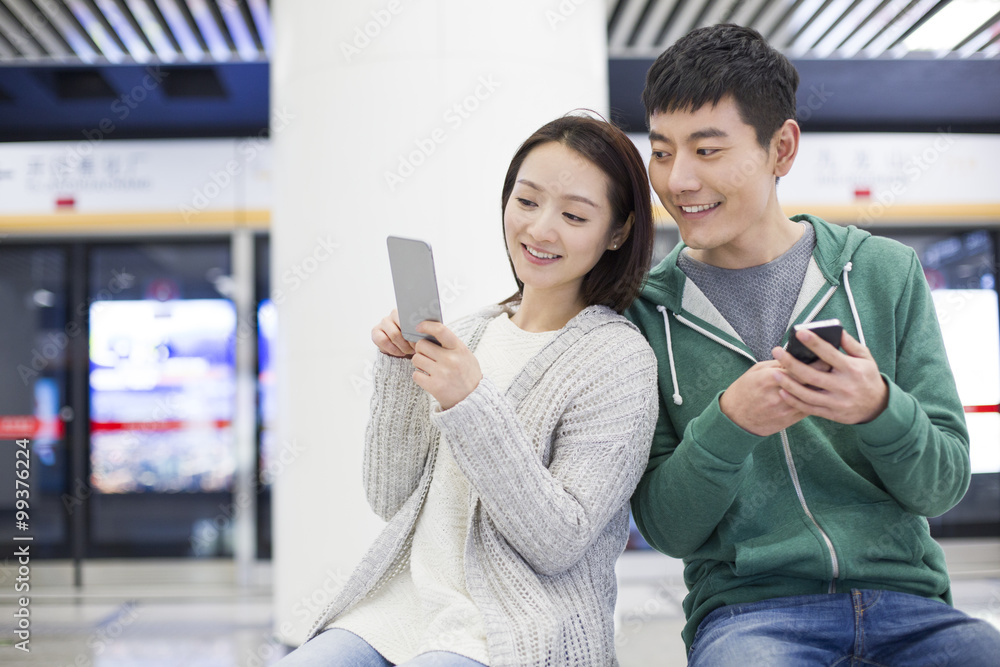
(863, 627)
(340, 648)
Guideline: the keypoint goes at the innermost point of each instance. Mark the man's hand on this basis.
(754, 402)
(449, 372)
(851, 392)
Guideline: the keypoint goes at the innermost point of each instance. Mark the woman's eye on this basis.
(574, 218)
(525, 202)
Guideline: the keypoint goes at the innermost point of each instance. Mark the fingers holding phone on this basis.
(388, 337)
(447, 370)
(850, 391)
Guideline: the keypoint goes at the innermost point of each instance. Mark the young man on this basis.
(796, 494)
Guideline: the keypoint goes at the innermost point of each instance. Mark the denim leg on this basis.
(903, 629)
(800, 631)
(441, 659)
(334, 648)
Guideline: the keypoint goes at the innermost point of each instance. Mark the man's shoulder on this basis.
(883, 258)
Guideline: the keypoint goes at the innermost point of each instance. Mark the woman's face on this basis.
(557, 221)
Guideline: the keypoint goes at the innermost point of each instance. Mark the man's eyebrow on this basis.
(707, 133)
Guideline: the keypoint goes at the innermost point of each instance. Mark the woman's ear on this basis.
(621, 235)
(787, 147)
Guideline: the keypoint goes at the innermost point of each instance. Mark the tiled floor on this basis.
(173, 615)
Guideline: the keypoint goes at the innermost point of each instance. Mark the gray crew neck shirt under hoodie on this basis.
(757, 301)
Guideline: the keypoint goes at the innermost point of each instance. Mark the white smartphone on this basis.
(415, 284)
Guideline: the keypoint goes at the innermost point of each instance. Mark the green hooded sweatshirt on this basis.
(820, 507)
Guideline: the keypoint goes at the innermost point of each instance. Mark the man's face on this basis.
(715, 180)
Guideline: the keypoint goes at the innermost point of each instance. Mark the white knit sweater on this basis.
(427, 606)
(551, 464)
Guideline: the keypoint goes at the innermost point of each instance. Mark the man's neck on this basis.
(765, 244)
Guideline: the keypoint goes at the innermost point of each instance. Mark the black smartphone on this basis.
(415, 284)
(828, 330)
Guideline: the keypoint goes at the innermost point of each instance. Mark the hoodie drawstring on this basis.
(670, 355)
(678, 400)
(850, 298)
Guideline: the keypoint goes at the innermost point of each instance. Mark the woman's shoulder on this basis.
(602, 321)
(611, 335)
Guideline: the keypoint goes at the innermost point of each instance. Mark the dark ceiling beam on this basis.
(38, 23)
(872, 95)
(251, 24)
(110, 29)
(18, 36)
(134, 23)
(891, 22)
(220, 23)
(858, 28)
(73, 23)
(192, 25)
(924, 18)
(992, 24)
(154, 9)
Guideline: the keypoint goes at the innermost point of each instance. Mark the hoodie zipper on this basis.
(789, 461)
(802, 501)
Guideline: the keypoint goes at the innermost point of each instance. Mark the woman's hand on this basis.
(449, 372)
(388, 337)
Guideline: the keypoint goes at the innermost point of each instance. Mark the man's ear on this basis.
(620, 236)
(787, 144)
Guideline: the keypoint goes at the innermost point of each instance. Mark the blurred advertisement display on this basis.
(162, 385)
(267, 329)
(960, 272)
(971, 331)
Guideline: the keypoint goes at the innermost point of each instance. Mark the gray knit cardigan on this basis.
(551, 464)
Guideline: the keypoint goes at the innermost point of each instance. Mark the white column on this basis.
(389, 117)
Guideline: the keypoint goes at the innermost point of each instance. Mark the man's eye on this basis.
(659, 155)
(707, 151)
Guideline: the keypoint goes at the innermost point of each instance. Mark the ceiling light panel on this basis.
(95, 28)
(135, 44)
(149, 24)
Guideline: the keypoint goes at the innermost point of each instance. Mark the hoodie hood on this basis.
(835, 245)
(829, 268)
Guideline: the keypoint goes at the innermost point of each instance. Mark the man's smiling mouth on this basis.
(699, 208)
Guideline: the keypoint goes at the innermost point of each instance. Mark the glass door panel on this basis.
(162, 388)
(960, 269)
(36, 337)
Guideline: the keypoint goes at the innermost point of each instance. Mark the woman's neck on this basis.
(545, 312)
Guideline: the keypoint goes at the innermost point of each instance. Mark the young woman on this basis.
(503, 459)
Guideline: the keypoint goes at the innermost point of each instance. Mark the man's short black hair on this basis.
(710, 63)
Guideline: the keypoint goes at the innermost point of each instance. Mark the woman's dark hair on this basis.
(616, 278)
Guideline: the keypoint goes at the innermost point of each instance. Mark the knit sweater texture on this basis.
(427, 606)
(821, 506)
(551, 463)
